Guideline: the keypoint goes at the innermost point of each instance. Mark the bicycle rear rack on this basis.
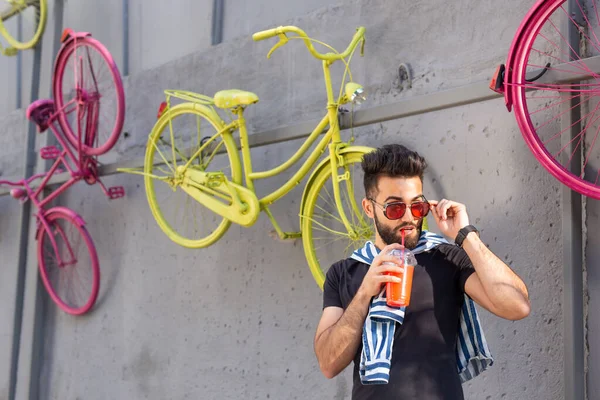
(190, 96)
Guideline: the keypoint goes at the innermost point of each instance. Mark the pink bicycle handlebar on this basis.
(9, 183)
(28, 180)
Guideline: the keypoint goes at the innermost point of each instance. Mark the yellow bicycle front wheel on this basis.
(33, 14)
(174, 140)
(324, 235)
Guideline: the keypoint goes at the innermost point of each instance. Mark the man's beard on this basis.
(393, 235)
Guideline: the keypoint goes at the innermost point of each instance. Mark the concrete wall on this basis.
(185, 28)
(12, 143)
(8, 276)
(243, 18)
(237, 319)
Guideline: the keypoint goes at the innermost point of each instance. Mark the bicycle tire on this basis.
(310, 221)
(58, 218)
(525, 46)
(69, 49)
(42, 11)
(165, 121)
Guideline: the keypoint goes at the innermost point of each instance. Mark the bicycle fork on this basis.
(337, 161)
(43, 224)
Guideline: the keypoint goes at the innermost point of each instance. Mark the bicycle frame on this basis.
(73, 163)
(235, 200)
(250, 176)
(332, 137)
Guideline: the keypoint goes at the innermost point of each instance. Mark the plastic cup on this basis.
(398, 293)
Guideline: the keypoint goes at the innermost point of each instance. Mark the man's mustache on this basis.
(404, 226)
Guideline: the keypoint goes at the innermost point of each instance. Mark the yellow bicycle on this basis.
(24, 32)
(191, 154)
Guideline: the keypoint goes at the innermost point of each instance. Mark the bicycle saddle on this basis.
(40, 112)
(233, 98)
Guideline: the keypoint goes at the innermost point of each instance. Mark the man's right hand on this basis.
(377, 274)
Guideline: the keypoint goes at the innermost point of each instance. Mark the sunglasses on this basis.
(396, 209)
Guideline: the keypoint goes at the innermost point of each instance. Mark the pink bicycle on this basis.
(67, 257)
(546, 79)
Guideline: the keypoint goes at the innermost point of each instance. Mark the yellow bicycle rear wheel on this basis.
(177, 135)
(33, 14)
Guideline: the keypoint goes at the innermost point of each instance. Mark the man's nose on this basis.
(408, 217)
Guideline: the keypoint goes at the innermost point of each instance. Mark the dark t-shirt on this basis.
(423, 357)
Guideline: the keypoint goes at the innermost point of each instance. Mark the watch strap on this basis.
(462, 234)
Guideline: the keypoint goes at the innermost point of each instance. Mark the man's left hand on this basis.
(449, 216)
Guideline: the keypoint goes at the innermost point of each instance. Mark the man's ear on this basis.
(368, 207)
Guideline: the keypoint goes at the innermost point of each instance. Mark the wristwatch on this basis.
(462, 234)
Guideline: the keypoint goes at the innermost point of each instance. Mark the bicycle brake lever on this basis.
(283, 39)
(362, 48)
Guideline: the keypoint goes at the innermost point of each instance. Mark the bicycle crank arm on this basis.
(240, 204)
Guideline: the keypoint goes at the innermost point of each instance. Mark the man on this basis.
(423, 356)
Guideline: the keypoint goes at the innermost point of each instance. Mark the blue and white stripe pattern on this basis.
(472, 353)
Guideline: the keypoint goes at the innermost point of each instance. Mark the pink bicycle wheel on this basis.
(545, 90)
(70, 271)
(89, 93)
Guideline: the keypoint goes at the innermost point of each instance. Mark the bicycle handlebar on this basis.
(9, 183)
(269, 33)
(22, 182)
(281, 31)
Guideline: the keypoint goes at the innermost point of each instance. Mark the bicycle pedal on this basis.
(116, 192)
(49, 152)
(289, 237)
(10, 51)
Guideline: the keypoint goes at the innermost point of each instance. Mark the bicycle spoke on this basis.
(584, 14)
(181, 155)
(557, 117)
(329, 243)
(559, 88)
(330, 201)
(558, 135)
(573, 52)
(575, 65)
(163, 171)
(198, 134)
(214, 153)
(179, 144)
(333, 217)
(556, 104)
(578, 136)
(326, 229)
(172, 137)
(91, 70)
(163, 157)
(581, 31)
